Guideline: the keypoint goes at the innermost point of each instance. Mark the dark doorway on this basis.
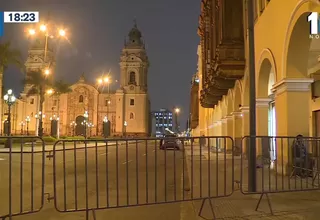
(106, 129)
(80, 129)
(54, 128)
(6, 127)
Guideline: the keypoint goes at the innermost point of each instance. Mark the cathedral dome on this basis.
(135, 36)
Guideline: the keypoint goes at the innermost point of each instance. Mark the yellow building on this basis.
(286, 62)
(126, 110)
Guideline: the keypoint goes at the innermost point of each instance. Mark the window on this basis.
(107, 102)
(81, 98)
(131, 115)
(32, 101)
(131, 101)
(132, 78)
(55, 102)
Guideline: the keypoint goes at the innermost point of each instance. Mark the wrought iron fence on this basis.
(21, 175)
(105, 174)
(91, 175)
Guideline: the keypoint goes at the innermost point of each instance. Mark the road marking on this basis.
(127, 162)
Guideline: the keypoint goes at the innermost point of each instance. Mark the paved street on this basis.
(131, 174)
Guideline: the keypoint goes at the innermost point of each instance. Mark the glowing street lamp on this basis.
(73, 124)
(28, 119)
(177, 111)
(10, 99)
(125, 128)
(84, 123)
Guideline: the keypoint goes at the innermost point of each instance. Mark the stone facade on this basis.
(129, 104)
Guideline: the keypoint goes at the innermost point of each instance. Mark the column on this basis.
(237, 130)
(262, 123)
(245, 128)
(229, 132)
(292, 105)
(223, 133)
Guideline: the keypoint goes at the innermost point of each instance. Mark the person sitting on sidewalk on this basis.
(299, 157)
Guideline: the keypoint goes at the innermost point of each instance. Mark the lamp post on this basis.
(86, 116)
(39, 117)
(105, 123)
(176, 113)
(10, 99)
(22, 126)
(90, 126)
(27, 122)
(105, 81)
(44, 29)
(73, 124)
(125, 128)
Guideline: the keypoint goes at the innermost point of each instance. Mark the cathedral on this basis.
(90, 110)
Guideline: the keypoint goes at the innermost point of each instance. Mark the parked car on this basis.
(170, 142)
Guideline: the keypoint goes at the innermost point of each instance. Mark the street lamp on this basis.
(10, 99)
(73, 124)
(84, 123)
(176, 112)
(22, 125)
(27, 122)
(90, 126)
(105, 123)
(40, 117)
(125, 128)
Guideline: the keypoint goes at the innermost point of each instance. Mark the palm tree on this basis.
(59, 88)
(38, 82)
(8, 56)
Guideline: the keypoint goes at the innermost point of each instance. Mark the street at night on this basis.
(131, 165)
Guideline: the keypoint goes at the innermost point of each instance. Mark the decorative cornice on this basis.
(292, 85)
(244, 109)
(236, 114)
(263, 102)
(229, 117)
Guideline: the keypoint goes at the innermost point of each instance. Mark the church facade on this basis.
(89, 109)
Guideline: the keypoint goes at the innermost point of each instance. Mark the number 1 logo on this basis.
(313, 19)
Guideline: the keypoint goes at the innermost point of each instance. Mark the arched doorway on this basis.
(107, 128)
(54, 128)
(80, 128)
(266, 102)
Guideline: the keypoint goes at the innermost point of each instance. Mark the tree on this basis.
(59, 88)
(38, 82)
(8, 56)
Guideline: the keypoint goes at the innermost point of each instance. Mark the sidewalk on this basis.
(286, 206)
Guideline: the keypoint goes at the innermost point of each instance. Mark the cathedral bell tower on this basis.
(40, 57)
(133, 96)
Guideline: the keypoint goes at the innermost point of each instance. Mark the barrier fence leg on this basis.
(211, 207)
(269, 203)
(93, 214)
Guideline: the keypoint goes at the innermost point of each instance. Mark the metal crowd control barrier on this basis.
(105, 174)
(284, 164)
(21, 175)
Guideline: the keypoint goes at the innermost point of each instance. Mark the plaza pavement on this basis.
(217, 168)
(136, 175)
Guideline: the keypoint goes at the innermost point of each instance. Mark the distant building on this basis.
(162, 119)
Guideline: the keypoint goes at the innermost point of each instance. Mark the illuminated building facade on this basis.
(287, 70)
(162, 121)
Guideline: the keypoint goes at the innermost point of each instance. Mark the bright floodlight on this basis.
(62, 32)
(47, 71)
(49, 91)
(100, 81)
(177, 110)
(43, 27)
(106, 80)
(32, 32)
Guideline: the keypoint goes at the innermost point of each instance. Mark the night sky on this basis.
(96, 30)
